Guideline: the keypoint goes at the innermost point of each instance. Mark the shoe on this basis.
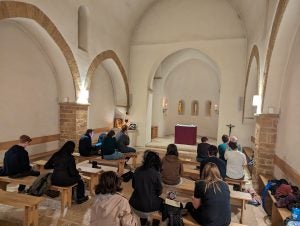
(82, 200)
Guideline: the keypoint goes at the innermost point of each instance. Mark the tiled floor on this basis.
(49, 209)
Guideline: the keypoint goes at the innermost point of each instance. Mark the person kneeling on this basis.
(110, 207)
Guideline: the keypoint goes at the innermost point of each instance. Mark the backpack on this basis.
(173, 213)
(40, 185)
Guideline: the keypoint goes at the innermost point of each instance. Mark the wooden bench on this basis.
(187, 188)
(189, 161)
(194, 174)
(278, 215)
(120, 163)
(65, 192)
(188, 220)
(29, 203)
(133, 156)
(231, 181)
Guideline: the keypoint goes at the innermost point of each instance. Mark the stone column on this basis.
(264, 148)
(73, 121)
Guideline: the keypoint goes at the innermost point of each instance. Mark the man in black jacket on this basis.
(16, 161)
(212, 153)
(202, 149)
(85, 144)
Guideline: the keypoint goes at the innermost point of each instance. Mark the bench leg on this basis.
(69, 197)
(94, 181)
(3, 185)
(134, 162)
(63, 201)
(35, 216)
(28, 216)
(242, 211)
(121, 168)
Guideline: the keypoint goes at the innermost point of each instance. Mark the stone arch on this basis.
(12, 9)
(254, 54)
(108, 54)
(275, 28)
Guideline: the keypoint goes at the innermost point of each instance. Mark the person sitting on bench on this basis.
(123, 140)
(65, 172)
(222, 147)
(212, 153)
(16, 162)
(202, 149)
(109, 147)
(110, 207)
(86, 148)
(172, 167)
(147, 186)
(211, 201)
(236, 161)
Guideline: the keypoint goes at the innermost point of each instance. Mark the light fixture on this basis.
(256, 100)
(164, 105)
(83, 96)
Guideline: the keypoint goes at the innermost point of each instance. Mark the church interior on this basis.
(220, 66)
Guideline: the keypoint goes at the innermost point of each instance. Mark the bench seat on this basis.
(278, 215)
(29, 203)
(188, 220)
(65, 192)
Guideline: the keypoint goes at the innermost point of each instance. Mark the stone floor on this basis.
(49, 210)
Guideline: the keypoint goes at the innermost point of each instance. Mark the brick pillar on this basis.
(73, 121)
(264, 148)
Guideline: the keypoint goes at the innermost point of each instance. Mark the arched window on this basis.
(195, 108)
(83, 28)
(180, 107)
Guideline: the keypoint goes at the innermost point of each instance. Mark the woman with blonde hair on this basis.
(211, 201)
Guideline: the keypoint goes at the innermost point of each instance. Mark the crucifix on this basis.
(230, 126)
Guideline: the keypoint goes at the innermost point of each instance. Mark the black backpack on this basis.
(173, 214)
(40, 185)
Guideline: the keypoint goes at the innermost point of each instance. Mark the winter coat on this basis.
(172, 169)
(112, 210)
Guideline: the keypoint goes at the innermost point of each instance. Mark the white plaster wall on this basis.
(228, 54)
(189, 81)
(28, 88)
(288, 126)
(102, 100)
(179, 20)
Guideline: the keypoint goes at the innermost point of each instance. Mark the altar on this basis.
(185, 134)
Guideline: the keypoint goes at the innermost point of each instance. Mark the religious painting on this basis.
(208, 108)
(195, 108)
(180, 107)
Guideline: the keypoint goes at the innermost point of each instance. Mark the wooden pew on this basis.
(29, 203)
(194, 174)
(188, 220)
(189, 161)
(231, 181)
(120, 163)
(187, 188)
(133, 156)
(65, 192)
(278, 215)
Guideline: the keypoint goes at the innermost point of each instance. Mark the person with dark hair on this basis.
(212, 153)
(172, 167)
(123, 140)
(64, 170)
(86, 148)
(202, 149)
(222, 147)
(109, 147)
(109, 206)
(235, 140)
(16, 161)
(236, 161)
(211, 201)
(147, 187)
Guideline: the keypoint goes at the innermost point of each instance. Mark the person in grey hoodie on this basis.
(172, 168)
